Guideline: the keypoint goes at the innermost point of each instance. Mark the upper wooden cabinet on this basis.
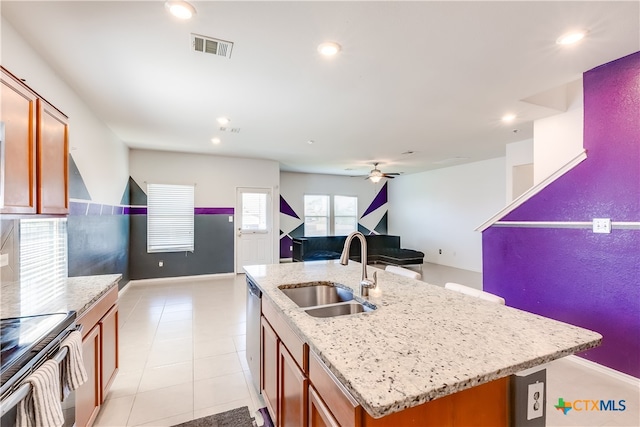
(35, 153)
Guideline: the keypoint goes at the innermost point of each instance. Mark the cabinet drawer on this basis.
(344, 408)
(93, 314)
(299, 349)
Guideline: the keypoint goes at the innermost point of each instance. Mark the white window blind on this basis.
(254, 212)
(43, 263)
(170, 218)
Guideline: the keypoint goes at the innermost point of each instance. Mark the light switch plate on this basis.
(4, 260)
(535, 401)
(602, 225)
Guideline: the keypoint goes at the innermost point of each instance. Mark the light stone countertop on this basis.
(56, 296)
(422, 342)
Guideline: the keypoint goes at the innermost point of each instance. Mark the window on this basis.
(345, 215)
(316, 215)
(169, 218)
(254, 212)
(321, 220)
(43, 260)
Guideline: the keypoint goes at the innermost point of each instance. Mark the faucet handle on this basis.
(375, 279)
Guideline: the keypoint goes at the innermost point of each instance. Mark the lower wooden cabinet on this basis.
(269, 371)
(108, 350)
(319, 414)
(292, 391)
(100, 354)
(88, 395)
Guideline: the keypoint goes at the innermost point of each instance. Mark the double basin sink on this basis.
(326, 299)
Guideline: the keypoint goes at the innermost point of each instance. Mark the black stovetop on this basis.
(22, 338)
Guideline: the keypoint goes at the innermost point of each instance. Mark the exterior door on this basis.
(254, 235)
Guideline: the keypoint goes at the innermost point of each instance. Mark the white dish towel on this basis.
(73, 372)
(41, 407)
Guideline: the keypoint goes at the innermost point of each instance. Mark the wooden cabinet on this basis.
(293, 391)
(269, 371)
(100, 352)
(319, 414)
(108, 349)
(19, 110)
(36, 151)
(88, 394)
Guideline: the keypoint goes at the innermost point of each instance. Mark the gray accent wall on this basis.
(213, 250)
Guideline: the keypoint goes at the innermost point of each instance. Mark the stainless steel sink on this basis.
(338, 310)
(326, 299)
(316, 293)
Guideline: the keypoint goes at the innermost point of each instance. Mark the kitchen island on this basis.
(420, 345)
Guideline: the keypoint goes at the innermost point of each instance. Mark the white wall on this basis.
(517, 154)
(216, 178)
(559, 138)
(101, 157)
(440, 210)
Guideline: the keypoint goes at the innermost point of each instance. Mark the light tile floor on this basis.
(182, 357)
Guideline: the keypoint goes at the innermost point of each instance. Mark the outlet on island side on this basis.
(440, 251)
(160, 263)
(535, 400)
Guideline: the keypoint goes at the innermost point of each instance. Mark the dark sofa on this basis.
(380, 249)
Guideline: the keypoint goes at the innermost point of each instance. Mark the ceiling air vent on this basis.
(210, 45)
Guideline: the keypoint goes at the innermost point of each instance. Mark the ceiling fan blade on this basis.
(388, 176)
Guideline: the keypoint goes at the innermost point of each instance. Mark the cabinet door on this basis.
(19, 116)
(88, 394)
(319, 415)
(109, 349)
(269, 380)
(293, 391)
(52, 160)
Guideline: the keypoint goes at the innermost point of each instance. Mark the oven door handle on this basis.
(21, 392)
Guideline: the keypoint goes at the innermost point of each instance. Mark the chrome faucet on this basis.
(365, 283)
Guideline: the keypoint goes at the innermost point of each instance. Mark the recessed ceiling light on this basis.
(310, 142)
(223, 120)
(329, 48)
(571, 37)
(508, 118)
(180, 9)
(216, 141)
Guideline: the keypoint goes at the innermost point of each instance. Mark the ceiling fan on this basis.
(376, 174)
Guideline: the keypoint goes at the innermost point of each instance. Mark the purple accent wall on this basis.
(285, 247)
(573, 275)
(378, 201)
(213, 211)
(286, 209)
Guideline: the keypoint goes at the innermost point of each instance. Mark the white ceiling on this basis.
(429, 77)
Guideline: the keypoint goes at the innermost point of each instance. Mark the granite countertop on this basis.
(54, 296)
(422, 342)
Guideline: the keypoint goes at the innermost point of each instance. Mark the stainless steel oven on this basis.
(27, 342)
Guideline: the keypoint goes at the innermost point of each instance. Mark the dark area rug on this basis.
(239, 417)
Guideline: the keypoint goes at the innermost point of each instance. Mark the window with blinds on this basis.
(170, 218)
(345, 215)
(43, 263)
(316, 215)
(254, 212)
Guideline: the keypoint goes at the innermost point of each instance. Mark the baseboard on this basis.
(179, 279)
(620, 376)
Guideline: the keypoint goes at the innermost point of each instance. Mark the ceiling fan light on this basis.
(375, 178)
(180, 9)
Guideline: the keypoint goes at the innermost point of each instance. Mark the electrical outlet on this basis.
(440, 251)
(160, 263)
(4, 260)
(230, 218)
(535, 401)
(602, 225)
(290, 248)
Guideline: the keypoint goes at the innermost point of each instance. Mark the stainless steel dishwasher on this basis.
(254, 310)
